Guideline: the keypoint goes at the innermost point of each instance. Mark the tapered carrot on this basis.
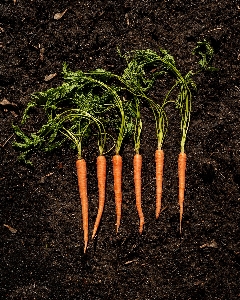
(117, 177)
(137, 165)
(159, 159)
(101, 176)
(82, 184)
(182, 161)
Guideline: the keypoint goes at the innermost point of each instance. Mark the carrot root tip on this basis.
(94, 233)
(85, 246)
(180, 217)
(141, 228)
(117, 227)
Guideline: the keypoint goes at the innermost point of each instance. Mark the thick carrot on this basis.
(137, 166)
(159, 159)
(101, 176)
(82, 184)
(182, 161)
(117, 177)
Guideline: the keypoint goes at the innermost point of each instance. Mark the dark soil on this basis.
(44, 258)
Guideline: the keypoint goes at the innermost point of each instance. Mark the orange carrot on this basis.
(82, 184)
(101, 176)
(159, 159)
(137, 165)
(182, 160)
(117, 176)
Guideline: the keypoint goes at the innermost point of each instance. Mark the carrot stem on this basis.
(137, 163)
(101, 176)
(82, 184)
(117, 176)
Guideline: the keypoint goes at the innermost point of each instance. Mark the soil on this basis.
(42, 250)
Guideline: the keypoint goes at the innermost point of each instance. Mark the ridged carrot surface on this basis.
(137, 165)
(82, 184)
(101, 176)
(117, 177)
(159, 159)
(182, 161)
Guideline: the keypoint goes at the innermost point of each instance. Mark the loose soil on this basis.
(42, 250)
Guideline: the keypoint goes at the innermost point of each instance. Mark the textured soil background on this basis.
(44, 258)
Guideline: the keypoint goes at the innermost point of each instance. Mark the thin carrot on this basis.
(117, 176)
(101, 176)
(159, 158)
(137, 164)
(182, 161)
(82, 184)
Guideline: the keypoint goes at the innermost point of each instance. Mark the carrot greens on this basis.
(72, 110)
(89, 102)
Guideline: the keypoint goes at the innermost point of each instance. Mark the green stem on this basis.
(138, 126)
(119, 104)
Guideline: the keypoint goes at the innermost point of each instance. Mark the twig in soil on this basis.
(164, 208)
(10, 228)
(42, 180)
(5, 143)
(50, 76)
(58, 16)
(130, 261)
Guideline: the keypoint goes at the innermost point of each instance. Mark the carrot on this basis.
(82, 184)
(182, 160)
(101, 175)
(137, 165)
(117, 177)
(159, 158)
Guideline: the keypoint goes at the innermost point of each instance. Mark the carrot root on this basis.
(182, 162)
(137, 163)
(101, 176)
(159, 159)
(82, 184)
(117, 176)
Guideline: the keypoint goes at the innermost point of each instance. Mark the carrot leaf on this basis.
(205, 51)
